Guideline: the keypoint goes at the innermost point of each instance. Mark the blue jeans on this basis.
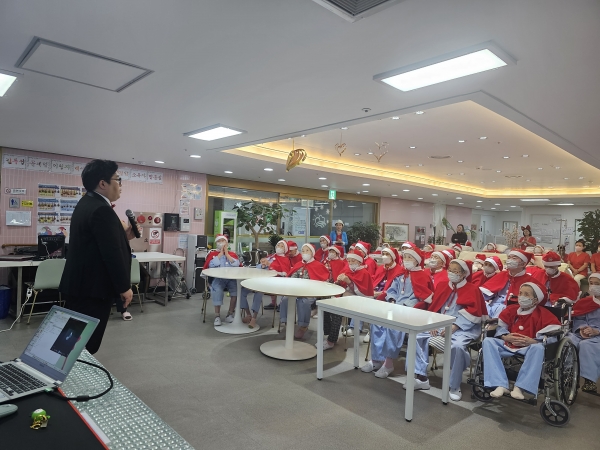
(256, 299)
(303, 306)
(217, 290)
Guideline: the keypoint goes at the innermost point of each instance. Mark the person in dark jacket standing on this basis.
(460, 237)
(98, 268)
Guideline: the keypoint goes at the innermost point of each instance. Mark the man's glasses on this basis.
(118, 180)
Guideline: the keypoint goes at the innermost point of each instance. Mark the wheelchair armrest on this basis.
(491, 321)
(553, 333)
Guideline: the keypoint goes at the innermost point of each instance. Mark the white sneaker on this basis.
(326, 345)
(419, 385)
(367, 338)
(349, 332)
(217, 321)
(455, 394)
(370, 367)
(384, 372)
(229, 318)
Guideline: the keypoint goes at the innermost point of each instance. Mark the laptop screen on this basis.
(51, 246)
(58, 342)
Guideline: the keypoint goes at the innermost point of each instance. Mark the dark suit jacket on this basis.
(99, 257)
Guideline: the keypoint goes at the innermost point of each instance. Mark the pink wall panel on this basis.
(135, 196)
(406, 211)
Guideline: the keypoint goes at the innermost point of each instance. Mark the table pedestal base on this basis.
(236, 328)
(299, 351)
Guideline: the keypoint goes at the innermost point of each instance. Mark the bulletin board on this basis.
(546, 227)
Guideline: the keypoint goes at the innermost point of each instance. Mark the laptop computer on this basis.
(49, 356)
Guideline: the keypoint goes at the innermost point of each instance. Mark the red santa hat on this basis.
(408, 244)
(365, 247)
(292, 245)
(355, 255)
(443, 257)
(551, 259)
(392, 252)
(327, 238)
(480, 256)
(494, 248)
(468, 244)
(415, 253)
(595, 275)
(450, 254)
(467, 266)
(285, 245)
(540, 291)
(221, 237)
(495, 261)
(310, 247)
(338, 249)
(522, 254)
(457, 247)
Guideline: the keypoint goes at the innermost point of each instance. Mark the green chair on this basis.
(48, 276)
(135, 279)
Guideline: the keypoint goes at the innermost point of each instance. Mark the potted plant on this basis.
(274, 238)
(589, 228)
(367, 232)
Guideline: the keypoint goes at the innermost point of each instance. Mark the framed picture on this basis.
(394, 232)
(509, 225)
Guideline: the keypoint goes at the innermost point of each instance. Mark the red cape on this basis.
(421, 284)
(538, 322)
(584, 306)
(535, 271)
(388, 275)
(441, 276)
(212, 254)
(479, 278)
(362, 280)
(336, 267)
(321, 255)
(562, 286)
(501, 279)
(469, 297)
(280, 263)
(295, 259)
(371, 265)
(316, 270)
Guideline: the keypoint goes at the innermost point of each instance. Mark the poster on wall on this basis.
(139, 176)
(155, 177)
(49, 230)
(184, 208)
(78, 168)
(48, 190)
(14, 161)
(70, 192)
(65, 218)
(61, 166)
(48, 204)
(67, 205)
(39, 164)
(124, 173)
(155, 236)
(47, 218)
(191, 191)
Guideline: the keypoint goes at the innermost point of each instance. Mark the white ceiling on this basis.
(280, 67)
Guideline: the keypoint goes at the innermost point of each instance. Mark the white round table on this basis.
(292, 288)
(238, 274)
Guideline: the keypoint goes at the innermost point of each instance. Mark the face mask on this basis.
(333, 256)
(595, 290)
(279, 251)
(323, 245)
(409, 265)
(220, 245)
(578, 249)
(387, 259)
(433, 263)
(306, 256)
(353, 267)
(454, 278)
(525, 302)
(489, 269)
(512, 264)
(551, 271)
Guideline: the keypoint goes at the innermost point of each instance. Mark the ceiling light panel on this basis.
(447, 67)
(6, 81)
(213, 132)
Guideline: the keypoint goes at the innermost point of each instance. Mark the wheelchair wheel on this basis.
(560, 409)
(566, 372)
(193, 291)
(478, 391)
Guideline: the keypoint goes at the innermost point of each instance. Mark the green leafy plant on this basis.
(259, 218)
(367, 232)
(448, 225)
(589, 228)
(274, 238)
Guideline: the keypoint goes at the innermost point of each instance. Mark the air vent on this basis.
(353, 10)
(440, 157)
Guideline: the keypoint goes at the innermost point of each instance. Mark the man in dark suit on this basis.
(98, 268)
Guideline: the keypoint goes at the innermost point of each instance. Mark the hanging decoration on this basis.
(382, 150)
(295, 157)
(341, 147)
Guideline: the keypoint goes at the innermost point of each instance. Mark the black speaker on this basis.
(171, 222)
(202, 241)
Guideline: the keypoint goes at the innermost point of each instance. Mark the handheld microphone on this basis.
(133, 223)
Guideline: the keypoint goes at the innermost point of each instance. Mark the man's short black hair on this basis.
(96, 171)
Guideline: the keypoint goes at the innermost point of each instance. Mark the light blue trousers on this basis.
(385, 343)
(256, 299)
(217, 290)
(589, 356)
(303, 307)
(360, 324)
(529, 375)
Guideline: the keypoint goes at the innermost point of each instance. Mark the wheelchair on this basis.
(559, 377)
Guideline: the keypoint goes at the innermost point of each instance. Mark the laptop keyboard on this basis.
(16, 381)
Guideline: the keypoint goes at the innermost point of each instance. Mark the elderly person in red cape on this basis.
(335, 262)
(527, 240)
(278, 262)
(478, 262)
(357, 281)
(491, 266)
(490, 248)
(412, 286)
(464, 301)
(365, 249)
(521, 329)
(586, 334)
(438, 267)
(307, 269)
(503, 288)
(322, 251)
(295, 257)
(558, 284)
(428, 249)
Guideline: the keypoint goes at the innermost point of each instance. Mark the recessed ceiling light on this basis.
(394, 195)
(460, 203)
(159, 162)
(413, 147)
(483, 138)
(407, 166)
(540, 168)
(281, 179)
(458, 198)
(527, 180)
(268, 169)
(366, 184)
(459, 161)
(535, 199)
(244, 191)
(435, 195)
(228, 171)
(395, 118)
(497, 204)
(493, 181)
(324, 185)
(557, 167)
(506, 210)
(498, 171)
(420, 165)
(351, 206)
(213, 132)
(322, 178)
(405, 190)
(581, 178)
(565, 204)
(6, 81)
(370, 153)
(566, 178)
(461, 141)
(444, 68)
(365, 191)
(525, 156)
(513, 206)
(357, 154)
(492, 208)
(420, 198)
(550, 187)
(506, 157)
(344, 128)
(448, 174)
(418, 113)
(195, 156)
(478, 206)
(462, 173)
(479, 201)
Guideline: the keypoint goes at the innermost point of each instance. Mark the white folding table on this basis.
(238, 274)
(148, 257)
(292, 288)
(19, 265)
(397, 317)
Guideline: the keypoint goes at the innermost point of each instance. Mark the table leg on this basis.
(237, 326)
(356, 343)
(411, 353)
(320, 328)
(167, 286)
(446, 370)
(289, 350)
(19, 291)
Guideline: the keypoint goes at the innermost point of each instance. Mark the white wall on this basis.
(493, 224)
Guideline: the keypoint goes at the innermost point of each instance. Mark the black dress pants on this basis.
(93, 307)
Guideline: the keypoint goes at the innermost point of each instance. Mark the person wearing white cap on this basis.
(586, 334)
(322, 251)
(521, 329)
(338, 236)
(438, 268)
(222, 257)
(559, 284)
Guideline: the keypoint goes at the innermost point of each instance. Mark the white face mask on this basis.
(525, 302)
(323, 245)
(220, 245)
(306, 256)
(279, 251)
(512, 264)
(353, 267)
(409, 265)
(433, 263)
(454, 278)
(333, 256)
(578, 248)
(386, 259)
(551, 271)
(489, 269)
(595, 290)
